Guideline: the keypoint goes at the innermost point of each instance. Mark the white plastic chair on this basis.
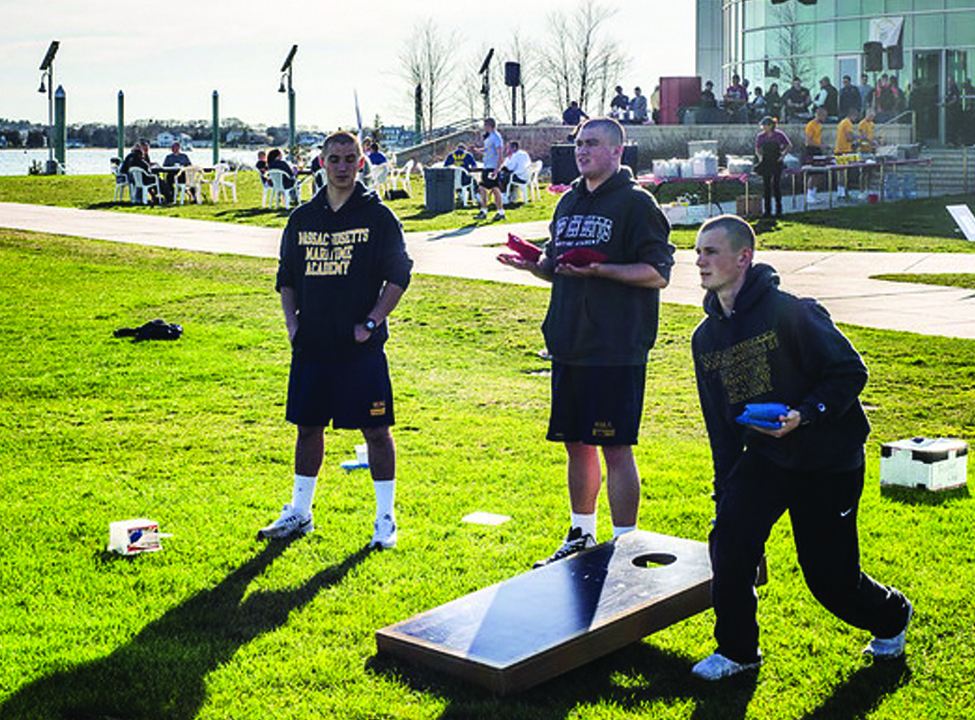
(402, 174)
(224, 179)
(464, 187)
(533, 187)
(190, 178)
(142, 182)
(121, 184)
(380, 178)
(278, 190)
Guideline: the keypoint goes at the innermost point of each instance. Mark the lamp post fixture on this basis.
(286, 86)
(47, 74)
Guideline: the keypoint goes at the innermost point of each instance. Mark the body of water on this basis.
(95, 161)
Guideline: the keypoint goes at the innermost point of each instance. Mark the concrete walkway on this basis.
(840, 280)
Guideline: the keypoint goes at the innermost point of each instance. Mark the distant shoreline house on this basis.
(165, 139)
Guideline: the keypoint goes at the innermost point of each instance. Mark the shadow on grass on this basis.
(922, 496)
(161, 673)
(863, 692)
(629, 679)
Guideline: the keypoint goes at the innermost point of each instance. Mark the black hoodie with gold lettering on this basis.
(337, 263)
(778, 348)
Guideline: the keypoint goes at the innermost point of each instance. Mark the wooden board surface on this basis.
(544, 622)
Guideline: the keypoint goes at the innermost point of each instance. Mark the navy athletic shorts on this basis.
(351, 394)
(596, 405)
(488, 182)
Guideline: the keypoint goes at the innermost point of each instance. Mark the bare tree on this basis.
(794, 43)
(580, 62)
(427, 62)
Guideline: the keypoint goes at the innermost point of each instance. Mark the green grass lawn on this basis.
(218, 626)
(959, 280)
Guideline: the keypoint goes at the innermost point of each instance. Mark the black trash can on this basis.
(438, 195)
(564, 168)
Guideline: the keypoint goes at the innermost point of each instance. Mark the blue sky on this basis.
(168, 57)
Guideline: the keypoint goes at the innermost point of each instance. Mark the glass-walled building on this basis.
(923, 43)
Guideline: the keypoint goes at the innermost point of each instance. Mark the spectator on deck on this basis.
(573, 114)
(774, 101)
(866, 93)
(707, 96)
(849, 97)
(638, 106)
(827, 97)
(619, 104)
(796, 100)
(736, 99)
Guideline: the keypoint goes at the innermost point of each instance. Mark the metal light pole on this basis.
(121, 125)
(216, 127)
(47, 73)
(60, 127)
(286, 86)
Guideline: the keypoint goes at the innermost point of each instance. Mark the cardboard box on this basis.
(937, 464)
(752, 209)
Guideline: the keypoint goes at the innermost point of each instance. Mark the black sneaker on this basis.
(575, 542)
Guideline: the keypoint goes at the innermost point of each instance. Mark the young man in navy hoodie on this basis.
(760, 345)
(600, 326)
(343, 268)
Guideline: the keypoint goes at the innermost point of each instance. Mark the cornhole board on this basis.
(964, 218)
(545, 622)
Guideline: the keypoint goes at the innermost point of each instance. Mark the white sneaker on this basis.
(499, 215)
(575, 542)
(481, 215)
(717, 666)
(290, 522)
(890, 648)
(384, 533)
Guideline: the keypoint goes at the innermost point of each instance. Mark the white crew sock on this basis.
(385, 497)
(303, 493)
(586, 521)
(622, 530)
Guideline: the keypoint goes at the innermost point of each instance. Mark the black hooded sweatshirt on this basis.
(595, 321)
(776, 347)
(337, 263)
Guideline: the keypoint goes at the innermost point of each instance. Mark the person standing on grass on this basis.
(600, 325)
(758, 344)
(493, 155)
(343, 268)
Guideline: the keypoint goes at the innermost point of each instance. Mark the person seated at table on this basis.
(516, 165)
(771, 146)
(815, 151)
(461, 157)
(276, 161)
(261, 166)
(135, 158)
(177, 158)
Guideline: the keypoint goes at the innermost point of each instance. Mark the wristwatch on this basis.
(370, 325)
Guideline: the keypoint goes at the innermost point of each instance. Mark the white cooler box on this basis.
(924, 463)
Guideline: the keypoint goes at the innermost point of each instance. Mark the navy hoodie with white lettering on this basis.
(337, 263)
(593, 321)
(778, 348)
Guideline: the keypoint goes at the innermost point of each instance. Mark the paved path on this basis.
(840, 280)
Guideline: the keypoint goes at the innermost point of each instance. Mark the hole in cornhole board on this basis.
(652, 560)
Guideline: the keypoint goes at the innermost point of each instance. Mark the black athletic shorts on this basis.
(488, 182)
(351, 395)
(596, 405)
